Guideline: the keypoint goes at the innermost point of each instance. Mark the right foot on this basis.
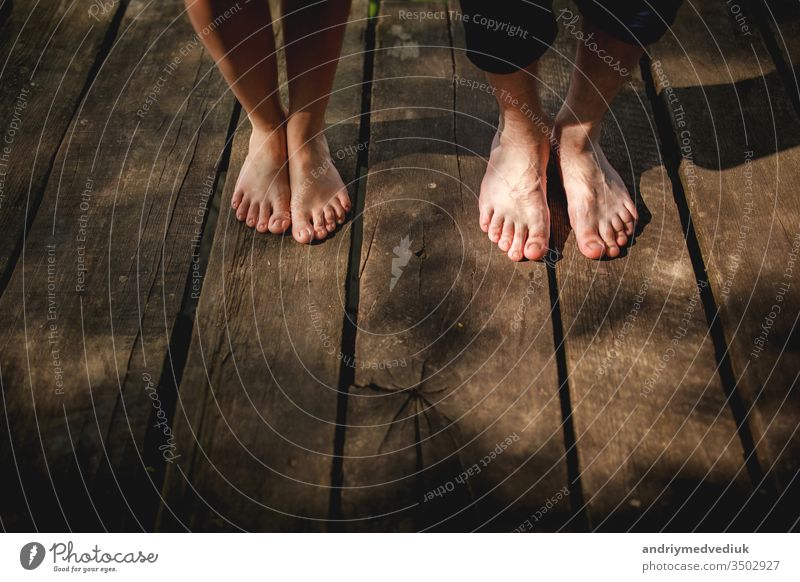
(513, 199)
(262, 196)
(319, 197)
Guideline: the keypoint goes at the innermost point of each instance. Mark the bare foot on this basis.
(261, 197)
(513, 199)
(319, 197)
(600, 209)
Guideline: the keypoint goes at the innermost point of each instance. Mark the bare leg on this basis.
(242, 43)
(601, 211)
(313, 36)
(513, 199)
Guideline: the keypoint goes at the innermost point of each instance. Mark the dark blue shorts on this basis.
(504, 36)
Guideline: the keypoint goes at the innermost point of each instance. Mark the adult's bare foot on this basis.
(600, 209)
(319, 197)
(513, 198)
(261, 197)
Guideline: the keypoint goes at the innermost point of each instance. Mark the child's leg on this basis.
(313, 36)
(241, 42)
(601, 210)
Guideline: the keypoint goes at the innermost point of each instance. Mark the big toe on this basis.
(535, 248)
(591, 245)
(302, 230)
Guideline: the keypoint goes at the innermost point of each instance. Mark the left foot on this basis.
(600, 209)
(319, 197)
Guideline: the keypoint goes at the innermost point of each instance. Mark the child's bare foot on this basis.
(600, 209)
(261, 197)
(513, 199)
(319, 197)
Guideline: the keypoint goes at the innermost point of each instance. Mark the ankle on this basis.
(310, 151)
(305, 127)
(270, 141)
(524, 128)
(575, 132)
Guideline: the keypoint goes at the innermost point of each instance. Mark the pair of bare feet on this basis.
(288, 179)
(513, 198)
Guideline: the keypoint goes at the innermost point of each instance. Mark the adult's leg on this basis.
(601, 211)
(513, 198)
(240, 39)
(313, 33)
(506, 39)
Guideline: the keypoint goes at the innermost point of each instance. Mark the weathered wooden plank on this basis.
(47, 50)
(257, 409)
(740, 164)
(656, 440)
(454, 353)
(90, 308)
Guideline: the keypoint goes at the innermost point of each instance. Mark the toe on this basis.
(279, 221)
(535, 247)
(496, 228)
(281, 217)
(338, 211)
(620, 231)
(263, 219)
(241, 211)
(520, 233)
(236, 200)
(486, 218)
(629, 227)
(344, 200)
(610, 238)
(302, 231)
(252, 214)
(330, 218)
(590, 244)
(507, 237)
(319, 225)
(628, 222)
(631, 208)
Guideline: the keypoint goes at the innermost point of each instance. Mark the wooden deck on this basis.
(165, 368)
